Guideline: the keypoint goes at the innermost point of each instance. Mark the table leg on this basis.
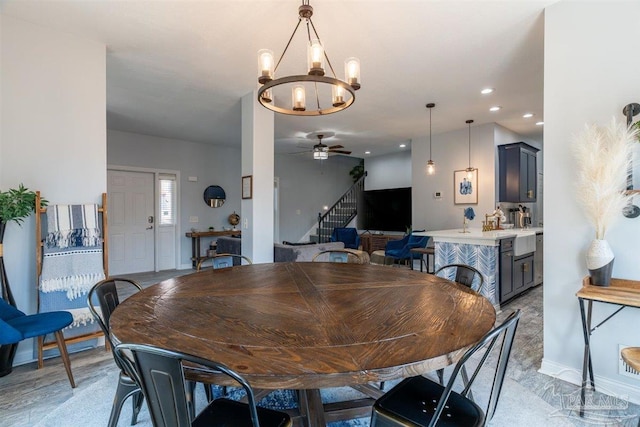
(311, 406)
(587, 366)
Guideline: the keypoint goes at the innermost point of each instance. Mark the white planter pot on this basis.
(600, 262)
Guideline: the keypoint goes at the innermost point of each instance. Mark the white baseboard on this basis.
(603, 384)
(185, 266)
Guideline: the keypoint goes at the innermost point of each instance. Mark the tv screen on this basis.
(385, 210)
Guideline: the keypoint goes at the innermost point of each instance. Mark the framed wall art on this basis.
(247, 187)
(465, 188)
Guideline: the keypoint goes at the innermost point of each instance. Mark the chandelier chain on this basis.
(287, 46)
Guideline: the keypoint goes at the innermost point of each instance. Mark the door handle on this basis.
(149, 227)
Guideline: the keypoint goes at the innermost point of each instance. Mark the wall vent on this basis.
(623, 368)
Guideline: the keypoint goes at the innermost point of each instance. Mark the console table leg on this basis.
(587, 367)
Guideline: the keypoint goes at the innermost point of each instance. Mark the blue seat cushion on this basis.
(35, 325)
(9, 334)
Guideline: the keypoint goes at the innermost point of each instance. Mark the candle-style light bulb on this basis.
(352, 72)
(337, 93)
(298, 96)
(316, 58)
(265, 66)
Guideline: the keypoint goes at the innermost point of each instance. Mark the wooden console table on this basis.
(625, 293)
(376, 242)
(195, 242)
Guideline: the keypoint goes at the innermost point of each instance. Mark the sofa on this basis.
(282, 252)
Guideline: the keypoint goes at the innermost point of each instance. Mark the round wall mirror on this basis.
(214, 196)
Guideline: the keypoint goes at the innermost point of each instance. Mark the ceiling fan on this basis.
(320, 150)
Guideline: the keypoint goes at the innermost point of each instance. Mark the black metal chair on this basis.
(224, 261)
(106, 294)
(419, 401)
(160, 374)
(463, 274)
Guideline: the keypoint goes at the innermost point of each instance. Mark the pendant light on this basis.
(431, 166)
(469, 168)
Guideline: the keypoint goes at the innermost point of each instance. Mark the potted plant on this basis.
(15, 205)
(603, 156)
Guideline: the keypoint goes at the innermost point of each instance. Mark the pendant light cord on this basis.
(469, 146)
(429, 133)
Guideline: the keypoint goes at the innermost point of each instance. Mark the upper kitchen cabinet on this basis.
(517, 173)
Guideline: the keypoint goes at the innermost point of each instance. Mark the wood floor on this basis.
(28, 394)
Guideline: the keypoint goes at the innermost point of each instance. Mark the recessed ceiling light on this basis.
(539, 123)
(403, 145)
(527, 115)
(367, 152)
(487, 90)
(496, 108)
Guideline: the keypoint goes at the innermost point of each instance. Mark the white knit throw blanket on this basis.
(74, 270)
(81, 317)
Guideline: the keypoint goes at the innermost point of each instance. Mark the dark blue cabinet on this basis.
(517, 173)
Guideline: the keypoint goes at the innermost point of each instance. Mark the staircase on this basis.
(341, 213)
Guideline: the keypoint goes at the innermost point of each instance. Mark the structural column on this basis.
(257, 162)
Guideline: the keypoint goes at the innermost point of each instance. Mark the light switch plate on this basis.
(193, 219)
(193, 179)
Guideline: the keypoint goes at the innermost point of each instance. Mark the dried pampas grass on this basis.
(603, 155)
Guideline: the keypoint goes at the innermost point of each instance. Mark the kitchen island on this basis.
(504, 257)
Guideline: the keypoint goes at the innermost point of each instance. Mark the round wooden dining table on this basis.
(308, 326)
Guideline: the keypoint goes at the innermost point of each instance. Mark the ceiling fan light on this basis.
(298, 98)
(352, 72)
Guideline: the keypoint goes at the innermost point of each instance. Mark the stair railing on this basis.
(342, 211)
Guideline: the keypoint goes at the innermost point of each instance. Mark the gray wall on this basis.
(389, 171)
(52, 135)
(450, 152)
(306, 185)
(211, 164)
(589, 77)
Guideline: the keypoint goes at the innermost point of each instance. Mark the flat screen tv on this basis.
(385, 210)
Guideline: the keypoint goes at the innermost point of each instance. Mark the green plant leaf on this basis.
(18, 203)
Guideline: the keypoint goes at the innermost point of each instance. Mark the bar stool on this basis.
(424, 257)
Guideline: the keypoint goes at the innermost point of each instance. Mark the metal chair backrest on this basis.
(160, 374)
(504, 333)
(463, 274)
(106, 294)
(341, 255)
(223, 261)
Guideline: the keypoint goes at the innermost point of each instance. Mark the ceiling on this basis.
(178, 69)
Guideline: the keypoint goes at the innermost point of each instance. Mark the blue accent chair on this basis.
(16, 326)
(349, 236)
(400, 250)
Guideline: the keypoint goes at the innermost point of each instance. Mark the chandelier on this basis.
(328, 94)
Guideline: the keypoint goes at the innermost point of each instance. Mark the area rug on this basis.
(91, 407)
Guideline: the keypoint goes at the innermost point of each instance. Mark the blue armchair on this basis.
(400, 250)
(348, 236)
(16, 326)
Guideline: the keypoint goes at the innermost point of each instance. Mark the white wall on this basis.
(450, 152)
(590, 63)
(306, 185)
(53, 134)
(390, 171)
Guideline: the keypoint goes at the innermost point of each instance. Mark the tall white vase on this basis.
(600, 262)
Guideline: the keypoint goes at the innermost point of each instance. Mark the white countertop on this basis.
(475, 236)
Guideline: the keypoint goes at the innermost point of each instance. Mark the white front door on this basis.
(131, 221)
